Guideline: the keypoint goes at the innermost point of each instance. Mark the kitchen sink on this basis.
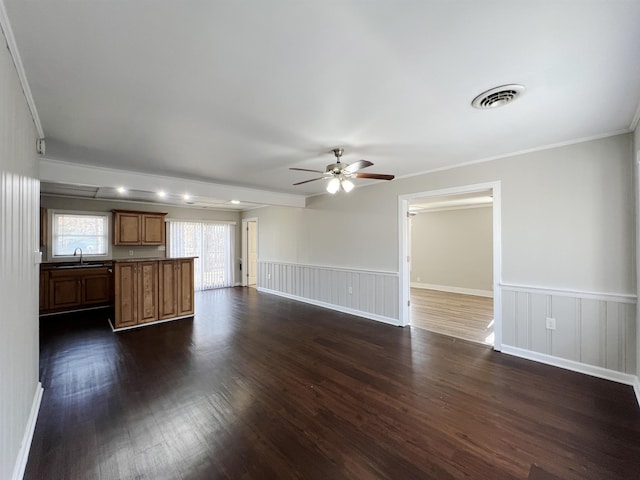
(81, 265)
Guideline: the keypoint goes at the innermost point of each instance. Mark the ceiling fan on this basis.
(339, 174)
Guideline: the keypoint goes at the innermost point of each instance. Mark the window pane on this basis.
(88, 232)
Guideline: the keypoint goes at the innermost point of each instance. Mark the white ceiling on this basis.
(238, 92)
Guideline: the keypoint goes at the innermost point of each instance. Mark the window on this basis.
(212, 243)
(88, 231)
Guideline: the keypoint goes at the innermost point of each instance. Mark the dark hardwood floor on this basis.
(259, 387)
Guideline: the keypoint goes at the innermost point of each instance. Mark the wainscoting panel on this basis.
(367, 293)
(592, 329)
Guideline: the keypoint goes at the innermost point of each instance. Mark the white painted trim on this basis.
(447, 288)
(606, 297)
(25, 447)
(245, 247)
(327, 267)
(572, 365)
(5, 24)
(403, 249)
(122, 329)
(636, 389)
(511, 154)
(331, 306)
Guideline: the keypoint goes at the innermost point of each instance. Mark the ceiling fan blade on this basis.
(307, 181)
(377, 176)
(355, 166)
(306, 170)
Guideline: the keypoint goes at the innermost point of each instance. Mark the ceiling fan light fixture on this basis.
(347, 185)
(333, 186)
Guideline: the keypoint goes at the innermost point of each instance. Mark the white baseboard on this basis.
(447, 288)
(636, 388)
(331, 306)
(23, 454)
(572, 365)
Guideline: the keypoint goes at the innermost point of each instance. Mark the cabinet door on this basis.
(65, 290)
(44, 291)
(147, 291)
(185, 287)
(43, 226)
(167, 289)
(127, 229)
(125, 292)
(152, 230)
(96, 287)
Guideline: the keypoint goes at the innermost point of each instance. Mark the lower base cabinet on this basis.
(72, 289)
(175, 280)
(147, 291)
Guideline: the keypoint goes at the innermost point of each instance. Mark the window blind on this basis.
(212, 243)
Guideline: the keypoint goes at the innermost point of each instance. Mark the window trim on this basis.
(66, 258)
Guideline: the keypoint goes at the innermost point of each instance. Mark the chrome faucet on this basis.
(76, 251)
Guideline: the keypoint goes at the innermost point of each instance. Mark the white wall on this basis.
(453, 248)
(19, 198)
(567, 227)
(636, 159)
(63, 203)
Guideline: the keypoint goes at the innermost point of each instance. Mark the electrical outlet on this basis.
(350, 290)
(131, 253)
(418, 278)
(551, 323)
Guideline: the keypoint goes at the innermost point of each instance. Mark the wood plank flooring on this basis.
(261, 387)
(463, 316)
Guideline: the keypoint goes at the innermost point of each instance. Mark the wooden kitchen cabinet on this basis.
(138, 228)
(44, 290)
(135, 293)
(149, 290)
(175, 288)
(125, 281)
(74, 288)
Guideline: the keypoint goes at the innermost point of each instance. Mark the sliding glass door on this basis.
(212, 243)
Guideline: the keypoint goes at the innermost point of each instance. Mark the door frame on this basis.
(404, 250)
(245, 250)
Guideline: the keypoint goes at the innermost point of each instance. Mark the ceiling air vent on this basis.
(497, 97)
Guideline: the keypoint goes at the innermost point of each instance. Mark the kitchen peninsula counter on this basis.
(152, 290)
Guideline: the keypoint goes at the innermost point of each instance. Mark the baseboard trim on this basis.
(636, 388)
(25, 447)
(331, 306)
(572, 365)
(121, 329)
(447, 288)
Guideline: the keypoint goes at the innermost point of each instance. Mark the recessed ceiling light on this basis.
(121, 190)
(186, 197)
(162, 194)
(235, 202)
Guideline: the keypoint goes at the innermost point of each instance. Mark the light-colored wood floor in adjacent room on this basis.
(463, 316)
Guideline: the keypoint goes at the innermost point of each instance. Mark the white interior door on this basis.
(252, 252)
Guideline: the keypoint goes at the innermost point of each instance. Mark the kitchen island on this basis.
(151, 290)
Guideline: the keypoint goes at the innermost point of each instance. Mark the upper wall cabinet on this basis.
(138, 228)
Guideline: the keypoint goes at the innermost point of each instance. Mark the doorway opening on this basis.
(450, 262)
(249, 265)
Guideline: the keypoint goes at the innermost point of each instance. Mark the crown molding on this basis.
(17, 61)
